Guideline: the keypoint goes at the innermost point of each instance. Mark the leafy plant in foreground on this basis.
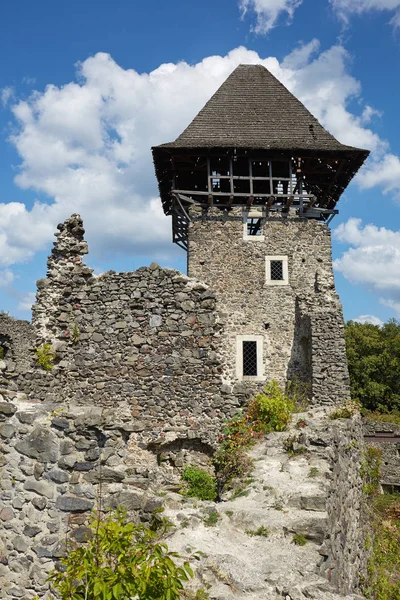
(120, 561)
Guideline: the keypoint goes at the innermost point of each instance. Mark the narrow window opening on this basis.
(250, 359)
(276, 267)
(253, 226)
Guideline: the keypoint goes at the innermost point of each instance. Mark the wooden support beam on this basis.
(310, 204)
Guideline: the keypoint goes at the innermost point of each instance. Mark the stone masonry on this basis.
(301, 323)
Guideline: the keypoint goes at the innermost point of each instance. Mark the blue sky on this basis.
(87, 87)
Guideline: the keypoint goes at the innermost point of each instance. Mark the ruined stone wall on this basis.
(390, 467)
(301, 323)
(17, 342)
(149, 338)
(56, 465)
(344, 549)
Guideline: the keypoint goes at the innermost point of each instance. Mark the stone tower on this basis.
(252, 184)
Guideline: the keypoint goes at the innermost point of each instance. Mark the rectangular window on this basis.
(254, 226)
(276, 267)
(276, 270)
(250, 359)
(253, 223)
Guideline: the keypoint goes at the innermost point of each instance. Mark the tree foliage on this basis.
(120, 561)
(373, 355)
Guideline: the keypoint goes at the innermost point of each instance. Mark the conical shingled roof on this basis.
(252, 109)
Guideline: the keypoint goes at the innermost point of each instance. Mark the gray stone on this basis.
(6, 513)
(7, 409)
(31, 530)
(7, 431)
(39, 487)
(84, 466)
(60, 423)
(155, 321)
(81, 534)
(39, 503)
(104, 475)
(26, 417)
(73, 504)
(40, 444)
(20, 544)
(57, 475)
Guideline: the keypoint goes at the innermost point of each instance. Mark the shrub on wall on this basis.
(44, 356)
(270, 410)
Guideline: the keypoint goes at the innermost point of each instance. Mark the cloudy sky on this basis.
(86, 88)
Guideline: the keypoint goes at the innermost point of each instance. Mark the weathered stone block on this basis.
(41, 444)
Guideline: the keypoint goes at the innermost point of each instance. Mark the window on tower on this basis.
(253, 226)
(249, 359)
(276, 270)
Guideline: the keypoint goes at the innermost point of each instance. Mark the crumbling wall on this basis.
(344, 551)
(390, 467)
(149, 338)
(16, 342)
(57, 463)
(301, 323)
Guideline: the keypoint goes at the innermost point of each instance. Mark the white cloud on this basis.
(384, 172)
(27, 301)
(268, 12)
(346, 8)
(85, 146)
(395, 306)
(6, 94)
(373, 260)
(6, 278)
(371, 319)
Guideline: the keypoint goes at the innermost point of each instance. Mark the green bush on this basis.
(200, 484)
(384, 563)
(272, 409)
(269, 411)
(120, 561)
(44, 356)
(371, 469)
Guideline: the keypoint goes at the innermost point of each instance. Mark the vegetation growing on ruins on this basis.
(346, 410)
(199, 484)
(373, 355)
(270, 410)
(44, 356)
(384, 564)
(122, 560)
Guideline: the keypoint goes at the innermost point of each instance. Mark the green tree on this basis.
(120, 561)
(373, 355)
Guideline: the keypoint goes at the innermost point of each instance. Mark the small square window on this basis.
(276, 270)
(253, 226)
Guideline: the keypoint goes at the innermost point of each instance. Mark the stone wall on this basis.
(149, 338)
(16, 341)
(344, 549)
(301, 323)
(390, 467)
(56, 465)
